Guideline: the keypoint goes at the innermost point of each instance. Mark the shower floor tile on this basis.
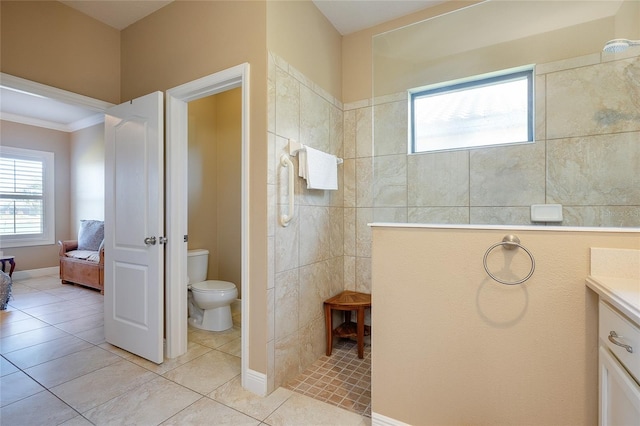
(341, 379)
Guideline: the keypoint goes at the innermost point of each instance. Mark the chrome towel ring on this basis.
(509, 242)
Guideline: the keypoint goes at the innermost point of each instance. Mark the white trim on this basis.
(380, 420)
(86, 122)
(176, 210)
(43, 91)
(34, 88)
(255, 382)
(33, 273)
(502, 227)
(68, 128)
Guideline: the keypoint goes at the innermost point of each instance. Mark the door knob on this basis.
(150, 241)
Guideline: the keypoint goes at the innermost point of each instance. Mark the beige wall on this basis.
(215, 165)
(86, 176)
(203, 177)
(29, 137)
(298, 32)
(187, 40)
(229, 141)
(410, 57)
(357, 64)
(454, 347)
(53, 44)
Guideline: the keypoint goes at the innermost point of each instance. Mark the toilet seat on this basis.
(211, 286)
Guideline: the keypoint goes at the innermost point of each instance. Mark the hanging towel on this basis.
(318, 168)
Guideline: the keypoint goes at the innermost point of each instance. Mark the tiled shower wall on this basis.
(306, 261)
(586, 156)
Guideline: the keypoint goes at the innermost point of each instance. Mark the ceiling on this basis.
(18, 105)
(347, 16)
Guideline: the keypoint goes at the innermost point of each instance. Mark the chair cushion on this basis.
(90, 235)
(93, 256)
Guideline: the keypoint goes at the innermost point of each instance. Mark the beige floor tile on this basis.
(95, 335)
(29, 338)
(19, 288)
(68, 315)
(95, 388)
(17, 386)
(90, 298)
(60, 370)
(207, 372)
(206, 411)
(213, 339)
(12, 314)
(232, 348)
(148, 404)
(302, 410)
(235, 396)
(194, 350)
(6, 367)
(85, 323)
(77, 421)
(67, 292)
(30, 300)
(105, 380)
(42, 408)
(15, 327)
(116, 350)
(61, 306)
(47, 351)
(43, 283)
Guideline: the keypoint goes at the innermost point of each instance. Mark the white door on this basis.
(134, 227)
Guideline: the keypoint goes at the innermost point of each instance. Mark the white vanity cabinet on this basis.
(619, 365)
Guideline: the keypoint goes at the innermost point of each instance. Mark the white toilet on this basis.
(209, 300)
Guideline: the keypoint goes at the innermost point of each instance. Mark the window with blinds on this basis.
(26, 197)
(478, 112)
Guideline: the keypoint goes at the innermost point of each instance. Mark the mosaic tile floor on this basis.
(341, 379)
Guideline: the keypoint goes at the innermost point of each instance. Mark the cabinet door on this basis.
(619, 393)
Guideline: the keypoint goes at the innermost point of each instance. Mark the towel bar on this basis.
(295, 147)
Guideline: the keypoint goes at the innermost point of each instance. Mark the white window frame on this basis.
(473, 82)
(47, 237)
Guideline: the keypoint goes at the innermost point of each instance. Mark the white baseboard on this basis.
(255, 382)
(33, 273)
(380, 420)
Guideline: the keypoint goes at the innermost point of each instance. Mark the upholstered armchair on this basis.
(82, 260)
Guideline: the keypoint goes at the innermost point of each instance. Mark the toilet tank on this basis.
(197, 263)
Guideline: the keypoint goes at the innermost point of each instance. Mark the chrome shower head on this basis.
(619, 45)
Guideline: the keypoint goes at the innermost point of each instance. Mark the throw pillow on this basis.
(90, 235)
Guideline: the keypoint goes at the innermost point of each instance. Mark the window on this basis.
(26, 197)
(484, 111)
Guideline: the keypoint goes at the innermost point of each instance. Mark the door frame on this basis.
(176, 186)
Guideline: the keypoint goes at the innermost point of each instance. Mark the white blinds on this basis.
(21, 196)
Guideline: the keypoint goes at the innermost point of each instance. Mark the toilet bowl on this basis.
(209, 300)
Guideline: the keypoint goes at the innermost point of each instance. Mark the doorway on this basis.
(177, 100)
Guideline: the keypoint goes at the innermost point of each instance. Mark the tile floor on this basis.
(341, 379)
(56, 369)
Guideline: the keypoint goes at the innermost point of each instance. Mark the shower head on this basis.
(619, 45)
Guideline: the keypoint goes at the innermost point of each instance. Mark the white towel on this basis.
(318, 168)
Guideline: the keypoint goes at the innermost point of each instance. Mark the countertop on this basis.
(622, 293)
